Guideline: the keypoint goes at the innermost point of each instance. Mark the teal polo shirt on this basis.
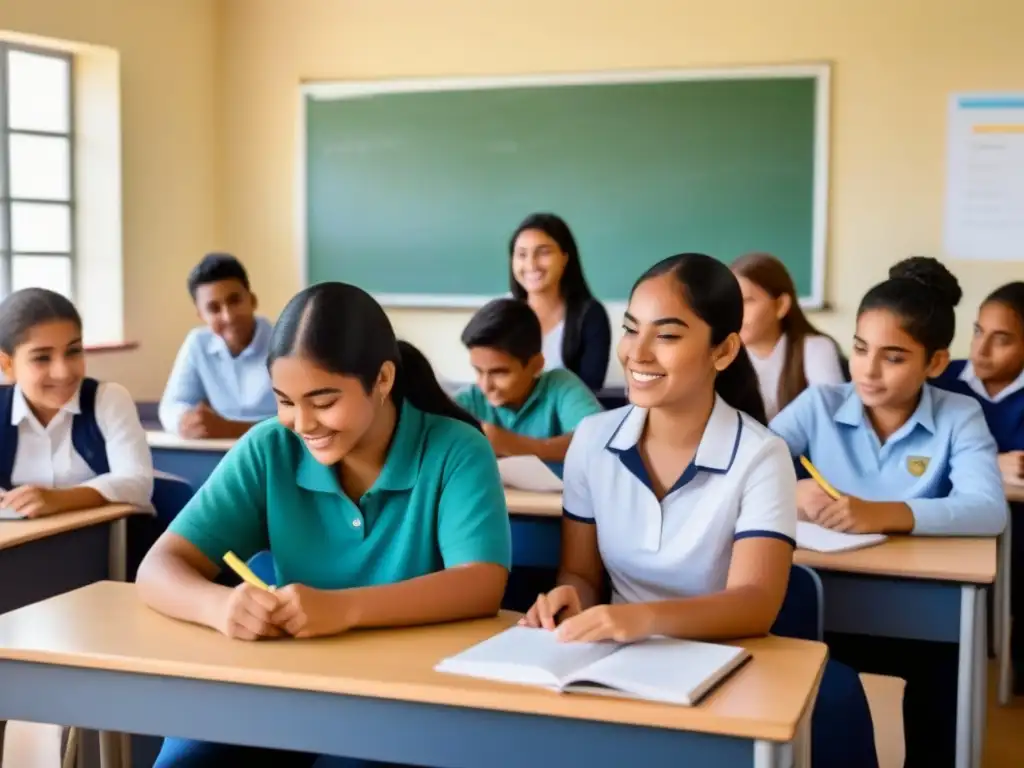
(558, 403)
(437, 503)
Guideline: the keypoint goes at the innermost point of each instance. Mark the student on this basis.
(994, 376)
(788, 352)
(524, 409)
(219, 386)
(545, 271)
(377, 496)
(907, 458)
(706, 548)
(66, 442)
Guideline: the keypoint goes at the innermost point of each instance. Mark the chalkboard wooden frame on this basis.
(332, 90)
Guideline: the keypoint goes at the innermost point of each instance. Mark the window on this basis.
(37, 237)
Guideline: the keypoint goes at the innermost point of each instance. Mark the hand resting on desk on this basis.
(251, 613)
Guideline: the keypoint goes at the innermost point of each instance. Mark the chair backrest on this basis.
(262, 564)
(803, 611)
(170, 495)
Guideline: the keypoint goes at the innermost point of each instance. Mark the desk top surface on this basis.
(967, 561)
(532, 504)
(765, 699)
(15, 532)
(158, 439)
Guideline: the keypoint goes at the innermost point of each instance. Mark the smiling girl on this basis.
(379, 499)
(66, 442)
(545, 271)
(684, 498)
(906, 457)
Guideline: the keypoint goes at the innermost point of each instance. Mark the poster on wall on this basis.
(985, 177)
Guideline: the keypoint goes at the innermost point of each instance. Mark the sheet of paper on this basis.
(985, 177)
(814, 537)
(528, 473)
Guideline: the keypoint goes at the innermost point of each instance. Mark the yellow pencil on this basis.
(244, 571)
(821, 481)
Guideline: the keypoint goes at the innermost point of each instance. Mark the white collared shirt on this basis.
(821, 366)
(46, 457)
(970, 378)
(741, 483)
(237, 388)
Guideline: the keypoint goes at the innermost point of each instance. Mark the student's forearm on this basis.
(81, 497)
(732, 613)
(463, 592)
(174, 588)
(894, 516)
(589, 593)
(549, 449)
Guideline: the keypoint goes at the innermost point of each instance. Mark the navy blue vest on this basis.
(86, 436)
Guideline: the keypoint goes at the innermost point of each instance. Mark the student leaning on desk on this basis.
(905, 457)
(219, 387)
(706, 549)
(66, 442)
(378, 497)
(524, 409)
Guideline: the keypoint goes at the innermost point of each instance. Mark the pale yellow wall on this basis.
(168, 101)
(895, 62)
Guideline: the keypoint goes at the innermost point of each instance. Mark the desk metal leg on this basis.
(3, 727)
(966, 689)
(769, 754)
(1002, 620)
(981, 679)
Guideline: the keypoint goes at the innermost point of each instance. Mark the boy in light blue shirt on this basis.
(524, 410)
(219, 386)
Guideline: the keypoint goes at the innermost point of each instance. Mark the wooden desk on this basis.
(193, 460)
(919, 588)
(57, 554)
(532, 504)
(350, 695)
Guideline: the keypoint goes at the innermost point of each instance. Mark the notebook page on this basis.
(528, 473)
(819, 539)
(525, 655)
(661, 669)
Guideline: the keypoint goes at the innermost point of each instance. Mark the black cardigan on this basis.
(586, 352)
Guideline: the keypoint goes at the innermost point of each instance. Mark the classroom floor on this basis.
(35, 746)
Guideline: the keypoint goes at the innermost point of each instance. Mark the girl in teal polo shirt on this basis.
(379, 499)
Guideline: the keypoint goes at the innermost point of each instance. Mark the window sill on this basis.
(112, 346)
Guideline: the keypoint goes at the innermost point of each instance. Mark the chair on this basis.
(262, 564)
(170, 495)
(843, 732)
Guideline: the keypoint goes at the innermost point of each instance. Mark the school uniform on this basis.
(740, 484)
(236, 387)
(590, 347)
(1005, 416)
(437, 503)
(558, 402)
(96, 440)
(942, 463)
(822, 365)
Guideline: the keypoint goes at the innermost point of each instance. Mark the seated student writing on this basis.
(66, 442)
(788, 353)
(684, 497)
(219, 385)
(524, 409)
(994, 376)
(378, 498)
(907, 457)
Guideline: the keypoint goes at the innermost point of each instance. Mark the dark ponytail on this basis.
(417, 383)
(345, 331)
(711, 290)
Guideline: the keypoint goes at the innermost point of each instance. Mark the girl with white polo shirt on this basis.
(684, 498)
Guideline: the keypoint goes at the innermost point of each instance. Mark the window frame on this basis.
(7, 200)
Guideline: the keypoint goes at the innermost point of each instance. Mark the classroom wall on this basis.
(169, 118)
(895, 62)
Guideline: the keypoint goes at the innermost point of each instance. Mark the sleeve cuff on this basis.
(762, 534)
(577, 518)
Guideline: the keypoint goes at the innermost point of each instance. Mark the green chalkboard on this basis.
(413, 195)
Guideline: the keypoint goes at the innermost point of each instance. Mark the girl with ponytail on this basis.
(378, 498)
(684, 498)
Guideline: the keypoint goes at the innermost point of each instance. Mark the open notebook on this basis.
(660, 669)
(528, 473)
(815, 537)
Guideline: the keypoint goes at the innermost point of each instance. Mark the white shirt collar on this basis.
(20, 410)
(718, 444)
(970, 378)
